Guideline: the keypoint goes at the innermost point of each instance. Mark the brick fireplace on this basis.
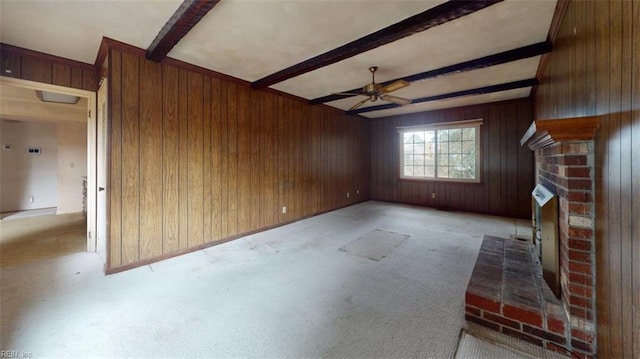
(506, 291)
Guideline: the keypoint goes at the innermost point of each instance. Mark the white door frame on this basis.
(91, 145)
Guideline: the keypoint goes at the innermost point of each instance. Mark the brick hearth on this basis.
(507, 293)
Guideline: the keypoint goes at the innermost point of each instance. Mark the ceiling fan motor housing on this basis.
(371, 89)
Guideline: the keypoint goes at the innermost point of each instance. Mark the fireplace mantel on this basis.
(543, 133)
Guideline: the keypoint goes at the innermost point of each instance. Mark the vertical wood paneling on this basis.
(197, 159)
(114, 243)
(255, 204)
(232, 159)
(61, 75)
(495, 161)
(76, 78)
(36, 69)
(151, 160)
(170, 156)
(281, 158)
(267, 162)
(296, 167)
(195, 153)
(89, 80)
(598, 75)
(183, 159)
(224, 155)
(11, 64)
(602, 246)
(525, 163)
(244, 160)
(635, 178)
(216, 159)
(613, 176)
(29, 65)
(207, 147)
(130, 159)
(510, 148)
(625, 180)
(506, 168)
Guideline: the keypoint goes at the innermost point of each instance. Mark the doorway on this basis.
(90, 201)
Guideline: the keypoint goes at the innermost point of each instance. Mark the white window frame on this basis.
(476, 123)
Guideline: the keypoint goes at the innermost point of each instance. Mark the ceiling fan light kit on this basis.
(375, 91)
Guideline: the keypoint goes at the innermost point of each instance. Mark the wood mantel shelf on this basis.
(543, 133)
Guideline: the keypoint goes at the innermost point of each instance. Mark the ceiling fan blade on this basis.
(359, 104)
(395, 99)
(394, 86)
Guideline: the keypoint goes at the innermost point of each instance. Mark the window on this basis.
(444, 152)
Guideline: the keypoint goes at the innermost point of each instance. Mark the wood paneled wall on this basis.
(507, 167)
(595, 70)
(35, 66)
(196, 160)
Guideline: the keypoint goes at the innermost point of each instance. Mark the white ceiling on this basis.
(250, 39)
(22, 104)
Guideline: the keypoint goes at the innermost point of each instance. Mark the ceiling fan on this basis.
(375, 91)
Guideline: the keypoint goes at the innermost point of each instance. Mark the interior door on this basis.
(101, 196)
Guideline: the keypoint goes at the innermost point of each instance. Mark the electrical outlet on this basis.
(348, 194)
(357, 191)
(284, 210)
(433, 195)
(31, 199)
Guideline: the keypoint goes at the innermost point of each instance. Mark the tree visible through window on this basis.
(441, 152)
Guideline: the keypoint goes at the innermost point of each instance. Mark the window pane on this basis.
(455, 160)
(455, 147)
(408, 149)
(408, 137)
(455, 134)
(469, 166)
(469, 134)
(430, 171)
(448, 153)
(430, 136)
(443, 135)
(468, 147)
(429, 160)
(430, 148)
(443, 147)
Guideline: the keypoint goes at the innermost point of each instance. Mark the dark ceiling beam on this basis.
(435, 16)
(188, 14)
(477, 91)
(476, 64)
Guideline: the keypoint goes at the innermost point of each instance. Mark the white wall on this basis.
(72, 165)
(23, 175)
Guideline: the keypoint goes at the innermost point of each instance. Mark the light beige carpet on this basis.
(283, 293)
(472, 347)
(30, 239)
(375, 245)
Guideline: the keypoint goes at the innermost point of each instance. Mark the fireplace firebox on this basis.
(545, 235)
